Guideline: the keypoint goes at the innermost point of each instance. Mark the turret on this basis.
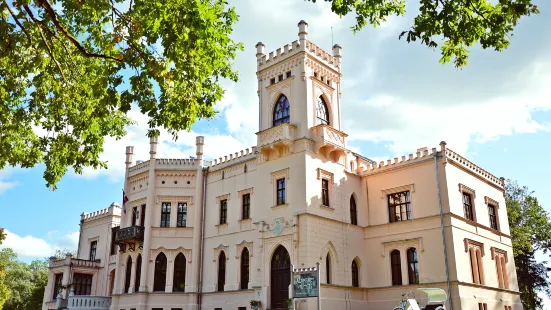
(129, 156)
(153, 147)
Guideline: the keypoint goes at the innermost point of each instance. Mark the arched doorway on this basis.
(280, 277)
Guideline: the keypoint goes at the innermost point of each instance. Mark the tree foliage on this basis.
(454, 25)
(530, 228)
(71, 70)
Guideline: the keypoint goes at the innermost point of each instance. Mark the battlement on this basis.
(138, 168)
(324, 56)
(467, 164)
(420, 155)
(113, 210)
(167, 164)
(230, 159)
(280, 55)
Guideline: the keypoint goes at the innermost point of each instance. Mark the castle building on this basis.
(213, 235)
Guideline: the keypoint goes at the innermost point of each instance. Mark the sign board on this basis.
(305, 285)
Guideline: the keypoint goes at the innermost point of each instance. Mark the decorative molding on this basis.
(279, 85)
(280, 173)
(499, 252)
(469, 243)
(223, 197)
(324, 174)
(490, 201)
(219, 249)
(398, 189)
(241, 246)
(468, 190)
(174, 199)
(246, 191)
(402, 244)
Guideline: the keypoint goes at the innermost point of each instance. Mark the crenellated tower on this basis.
(299, 89)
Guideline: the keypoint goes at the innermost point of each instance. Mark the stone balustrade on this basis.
(274, 134)
(89, 302)
(74, 262)
(325, 135)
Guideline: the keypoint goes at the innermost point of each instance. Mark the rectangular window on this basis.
(246, 206)
(482, 306)
(113, 249)
(280, 192)
(142, 218)
(288, 74)
(468, 206)
(134, 216)
(315, 74)
(182, 215)
(477, 270)
(156, 308)
(165, 214)
(280, 77)
(493, 216)
(58, 285)
(272, 81)
(93, 248)
(241, 308)
(329, 82)
(399, 206)
(82, 284)
(224, 211)
(325, 192)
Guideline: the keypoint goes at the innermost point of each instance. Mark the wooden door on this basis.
(280, 278)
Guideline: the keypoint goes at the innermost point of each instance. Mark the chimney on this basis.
(153, 147)
(129, 156)
(199, 143)
(337, 51)
(259, 52)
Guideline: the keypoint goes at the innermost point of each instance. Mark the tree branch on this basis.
(18, 23)
(50, 11)
(30, 13)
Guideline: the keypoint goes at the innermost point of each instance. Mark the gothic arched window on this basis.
(413, 266)
(244, 284)
(396, 267)
(138, 273)
(353, 211)
(159, 280)
(179, 282)
(355, 274)
(221, 271)
(322, 112)
(128, 274)
(328, 269)
(281, 111)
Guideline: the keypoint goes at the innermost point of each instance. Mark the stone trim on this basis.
(223, 197)
(468, 190)
(403, 188)
(324, 174)
(469, 243)
(244, 244)
(490, 201)
(496, 252)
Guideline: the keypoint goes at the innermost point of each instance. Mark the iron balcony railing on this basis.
(132, 233)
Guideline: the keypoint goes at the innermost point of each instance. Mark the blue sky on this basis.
(396, 98)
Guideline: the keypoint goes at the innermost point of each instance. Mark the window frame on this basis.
(322, 111)
(82, 283)
(58, 285)
(396, 268)
(159, 274)
(281, 191)
(223, 218)
(325, 192)
(355, 271)
(392, 218)
(282, 107)
(221, 272)
(353, 211)
(181, 215)
(93, 250)
(413, 265)
(328, 268)
(492, 216)
(244, 264)
(246, 206)
(128, 275)
(166, 208)
(468, 206)
(179, 274)
(137, 277)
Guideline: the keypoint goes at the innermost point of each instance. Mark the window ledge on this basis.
(244, 220)
(327, 207)
(280, 206)
(222, 225)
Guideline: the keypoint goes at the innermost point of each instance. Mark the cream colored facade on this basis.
(315, 164)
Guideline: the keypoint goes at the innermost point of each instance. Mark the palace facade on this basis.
(214, 235)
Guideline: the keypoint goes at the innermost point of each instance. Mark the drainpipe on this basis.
(443, 148)
(204, 199)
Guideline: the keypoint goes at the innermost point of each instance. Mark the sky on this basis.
(396, 97)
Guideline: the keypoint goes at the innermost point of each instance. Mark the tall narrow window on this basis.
(413, 266)
(223, 211)
(134, 216)
(325, 192)
(246, 206)
(280, 192)
(142, 218)
(482, 306)
(322, 112)
(328, 269)
(501, 268)
(245, 261)
(396, 267)
(179, 280)
(138, 273)
(281, 111)
(58, 285)
(355, 274)
(221, 271)
(113, 249)
(492, 214)
(477, 270)
(399, 206)
(159, 280)
(468, 206)
(93, 248)
(353, 211)
(181, 219)
(128, 275)
(165, 214)
(82, 284)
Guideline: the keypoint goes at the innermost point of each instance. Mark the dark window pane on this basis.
(288, 74)
(82, 284)
(93, 248)
(413, 266)
(328, 269)
(221, 271)
(159, 280)
(355, 274)
(468, 206)
(138, 274)
(396, 267)
(280, 77)
(244, 281)
(280, 191)
(325, 192)
(179, 279)
(181, 219)
(128, 274)
(165, 214)
(322, 111)
(353, 211)
(246, 206)
(399, 206)
(58, 285)
(493, 216)
(223, 211)
(281, 111)
(272, 81)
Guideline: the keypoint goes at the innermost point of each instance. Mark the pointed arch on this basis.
(353, 210)
(138, 273)
(244, 268)
(322, 111)
(282, 111)
(221, 271)
(159, 279)
(280, 276)
(396, 267)
(179, 277)
(328, 269)
(355, 271)
(128, 274)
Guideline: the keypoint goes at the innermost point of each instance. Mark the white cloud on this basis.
(32, 247)
(5, 183)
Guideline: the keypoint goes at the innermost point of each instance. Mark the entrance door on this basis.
(280, 278)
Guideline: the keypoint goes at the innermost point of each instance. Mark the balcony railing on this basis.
(276, 134)
(326, 135)
(89, 302)
(75, 262)
(130, 234)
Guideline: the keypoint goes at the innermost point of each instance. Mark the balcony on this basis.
(74, 262)
(88, 302)
(276, 141)
(128, 237)
(329, 141)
